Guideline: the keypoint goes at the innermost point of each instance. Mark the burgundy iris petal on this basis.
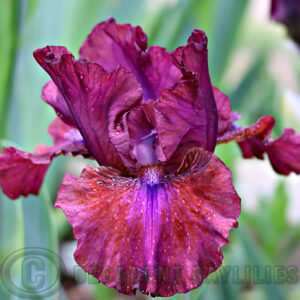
(181, 122)
(142, 135)
(95, 98)
(259, 130)
(186, 115)
(252, 147)
(284, 152)
(255, 141)
(193, 58)
(22, 173)
(225, 115)
(52, 96)
(161, 235)
(111, 44)
(67, 140)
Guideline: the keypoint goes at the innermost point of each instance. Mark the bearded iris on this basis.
(155, 213)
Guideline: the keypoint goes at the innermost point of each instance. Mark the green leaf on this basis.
(202, 12)
(11, 238)
(41, 239)
(255, 257)
(292, 239)
(31, 8)
(238, 96)
(228, 16)
(11, 226)
(278, 210)
(102, 292)
(9, 18)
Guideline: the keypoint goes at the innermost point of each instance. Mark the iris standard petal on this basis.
(52, 96)
(95, 98)
(186, 114)
(111, 44)
(182, 122)
(193, 58)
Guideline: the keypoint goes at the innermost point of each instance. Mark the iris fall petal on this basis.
(160, 235)
(22, 173)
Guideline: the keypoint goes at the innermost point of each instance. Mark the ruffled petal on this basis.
(194, 58)
(22, 173)
(225, 115)
(66, 140)
(284, 152)
(255, 141)
(186, 116)
(182, 122)
(260, 130)
(159, 69)
(142, 137)
(250, 139)
(252, 147)
(111, 44)
(96, 99)
(160, 235)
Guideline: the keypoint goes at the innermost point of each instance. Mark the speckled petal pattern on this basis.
(160, 235)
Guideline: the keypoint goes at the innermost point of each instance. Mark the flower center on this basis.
(151, 174)
(144, 152)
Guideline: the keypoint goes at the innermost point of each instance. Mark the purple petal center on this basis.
(144, 150)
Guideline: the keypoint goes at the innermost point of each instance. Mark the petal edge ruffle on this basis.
(95, 99)
(22, 173)
(161, 239)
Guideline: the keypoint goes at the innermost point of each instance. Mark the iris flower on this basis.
(155, 213)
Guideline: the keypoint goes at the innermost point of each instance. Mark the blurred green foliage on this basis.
(242, 59)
